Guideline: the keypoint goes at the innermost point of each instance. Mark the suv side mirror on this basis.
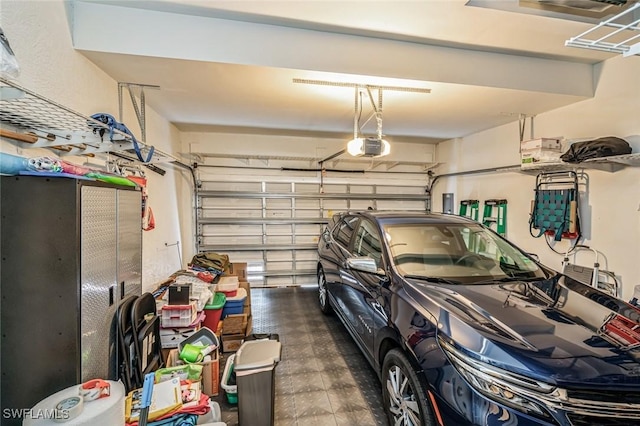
(364, 264)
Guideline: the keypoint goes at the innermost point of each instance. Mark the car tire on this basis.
(323, 295)
(404, 394)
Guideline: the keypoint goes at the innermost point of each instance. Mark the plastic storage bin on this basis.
(235, 305)
(213, 311)
(228, 382)
(255, 364)
(228, 285)
(178, 315)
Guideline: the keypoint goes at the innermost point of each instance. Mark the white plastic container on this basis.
(228, 285)
(178, 315)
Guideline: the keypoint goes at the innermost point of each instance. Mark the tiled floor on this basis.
(322, 378)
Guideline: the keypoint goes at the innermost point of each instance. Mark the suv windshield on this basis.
(467, 253)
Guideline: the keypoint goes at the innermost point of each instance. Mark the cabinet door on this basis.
(129, 243)
(98, 279)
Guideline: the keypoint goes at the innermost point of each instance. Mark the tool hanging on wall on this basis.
(148, 221)
(470, 209)
(495, 211)
(555, 209)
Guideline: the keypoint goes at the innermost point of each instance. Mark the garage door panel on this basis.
(229, 203)
(413, 190)
(400, 205)
(335, 189)
(306, 214)
(234, 230)
(218, 183)
(279, 266)
(278, 204)
(275, 214)
(217, 213)
(280, 256)
(309, 229)
(361, 189)
(279, 229)
(278, 239)
(277, 187)
(336, 205)
(361, 204)
(227, 240)
(307, 204)
(311, 188)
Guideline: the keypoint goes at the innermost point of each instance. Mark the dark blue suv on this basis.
(464, 328)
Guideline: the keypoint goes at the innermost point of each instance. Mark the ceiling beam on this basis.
(127, 30)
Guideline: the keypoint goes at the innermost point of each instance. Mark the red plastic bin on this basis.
(213, 311)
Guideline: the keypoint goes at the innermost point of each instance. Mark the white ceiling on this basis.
(230, 64)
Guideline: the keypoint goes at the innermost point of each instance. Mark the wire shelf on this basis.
(57, 126)
(619, 34)
(27, 110)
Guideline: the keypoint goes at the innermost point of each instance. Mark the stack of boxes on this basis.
(538, 152)
(236, 318)
(179, 318)
(210, 369)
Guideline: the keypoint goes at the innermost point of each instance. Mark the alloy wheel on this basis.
(322, 293)
(403, 405)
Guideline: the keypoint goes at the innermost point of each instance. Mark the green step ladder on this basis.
(470, 209)
(495, 211)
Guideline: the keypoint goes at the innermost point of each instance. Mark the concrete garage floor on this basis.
(322, 378)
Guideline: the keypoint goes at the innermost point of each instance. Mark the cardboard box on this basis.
(247, 288)
(249, 327)
(543, 150)
(210, 371)
(549, 144)
(237, 268)
(238, 327)
(234, 324)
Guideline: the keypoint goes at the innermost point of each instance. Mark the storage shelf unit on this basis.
(612, 163)
(274, 226)
(61, 129)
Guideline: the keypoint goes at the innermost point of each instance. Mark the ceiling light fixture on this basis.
(361, 146)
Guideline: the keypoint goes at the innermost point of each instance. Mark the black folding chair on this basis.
(126, 345)
(146, 331)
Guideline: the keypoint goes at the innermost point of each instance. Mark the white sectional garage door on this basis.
(273, 220)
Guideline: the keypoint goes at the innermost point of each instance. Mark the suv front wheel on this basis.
(403, 393)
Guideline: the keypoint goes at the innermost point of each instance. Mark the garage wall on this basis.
(40, 37)
(611, 209)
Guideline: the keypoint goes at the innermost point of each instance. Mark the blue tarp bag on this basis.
(113, 124)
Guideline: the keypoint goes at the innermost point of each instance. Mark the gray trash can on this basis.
(254, 365)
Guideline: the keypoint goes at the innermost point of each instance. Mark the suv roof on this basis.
(399, 216)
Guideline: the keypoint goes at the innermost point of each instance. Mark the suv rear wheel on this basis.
(404, 395)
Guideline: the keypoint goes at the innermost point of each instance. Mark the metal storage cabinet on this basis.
(71, 249)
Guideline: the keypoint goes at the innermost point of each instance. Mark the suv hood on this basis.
(556, 330)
